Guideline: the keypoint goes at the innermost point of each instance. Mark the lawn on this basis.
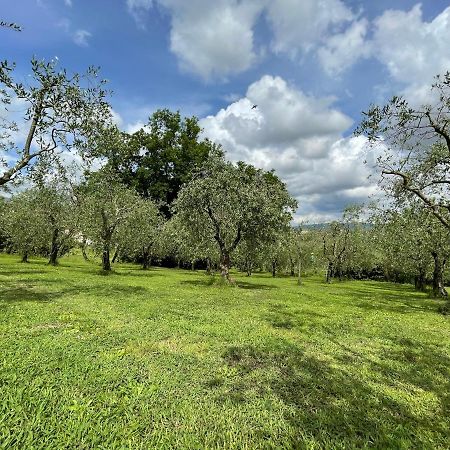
(163, 359)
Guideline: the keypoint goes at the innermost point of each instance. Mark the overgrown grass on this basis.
(165, 359)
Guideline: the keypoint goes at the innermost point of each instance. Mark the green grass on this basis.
(164, 359)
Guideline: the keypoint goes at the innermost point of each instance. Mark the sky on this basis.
(310, 66)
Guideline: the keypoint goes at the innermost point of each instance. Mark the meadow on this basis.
(168, 359)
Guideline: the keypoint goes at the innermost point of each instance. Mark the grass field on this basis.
(164, 359)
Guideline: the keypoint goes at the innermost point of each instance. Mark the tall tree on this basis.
(158, 160)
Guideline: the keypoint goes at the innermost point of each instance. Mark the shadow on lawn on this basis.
(281, 316)
(21, 294)
(13, 294)
(16, 273)
(333, 407)
(239, 284)
(402, 302)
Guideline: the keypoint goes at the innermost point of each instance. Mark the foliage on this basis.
(228, 203)
(11, 25)
(139, 235)
(24, 224)
(416, 140)
(61, 112)
(105, 206)
(158, 160)
(41, 220)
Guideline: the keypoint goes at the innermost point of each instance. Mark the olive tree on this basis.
(105, 206)
(139, 235)
(227, 204)
(414, 146)
(62, 111)
(24, 224)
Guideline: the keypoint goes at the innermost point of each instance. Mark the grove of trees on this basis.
(165, 195)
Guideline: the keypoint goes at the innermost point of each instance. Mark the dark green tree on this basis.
(158, 160)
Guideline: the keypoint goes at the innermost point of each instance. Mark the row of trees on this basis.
(164, 180)
(226, 214)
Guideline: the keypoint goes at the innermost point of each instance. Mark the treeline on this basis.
(225, 215)
(165, 195)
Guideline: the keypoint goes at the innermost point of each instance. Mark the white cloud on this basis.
(413, 50)
(216, 39)
(213, 40)
(410, 48)
(80, 37)
(299, 25)
(344, 49)
(299, 136)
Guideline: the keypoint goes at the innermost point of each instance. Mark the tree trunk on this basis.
(249, 268)
(225, 263)
(437, 276)
(106, 263)
(116, 255)
(145, 259)
(299, 279)
(329, 272)
(419, 280)
(53, 260)
(208, 266)
(193, 265)
(274, 268)
(25, 256)
(83, 250)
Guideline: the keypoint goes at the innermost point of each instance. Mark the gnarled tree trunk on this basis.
(106, 263)
(225, 263)
(25, 256)
(438, 285)
(146, 258)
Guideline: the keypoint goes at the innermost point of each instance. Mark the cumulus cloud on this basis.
(412, 49)
(342, 50)
(209, 39)
(299, 136)
(299, 25)
(216, 39)
(213, 40)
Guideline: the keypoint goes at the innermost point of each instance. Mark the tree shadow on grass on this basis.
(401, 302)
(237, 284)
(280, 315)
(331, 405)
(29, 293)
(16, 273)
(21, 294)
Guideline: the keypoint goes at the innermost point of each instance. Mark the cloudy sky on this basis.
(311, 66)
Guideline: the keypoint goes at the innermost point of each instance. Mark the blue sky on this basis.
(311, 66)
